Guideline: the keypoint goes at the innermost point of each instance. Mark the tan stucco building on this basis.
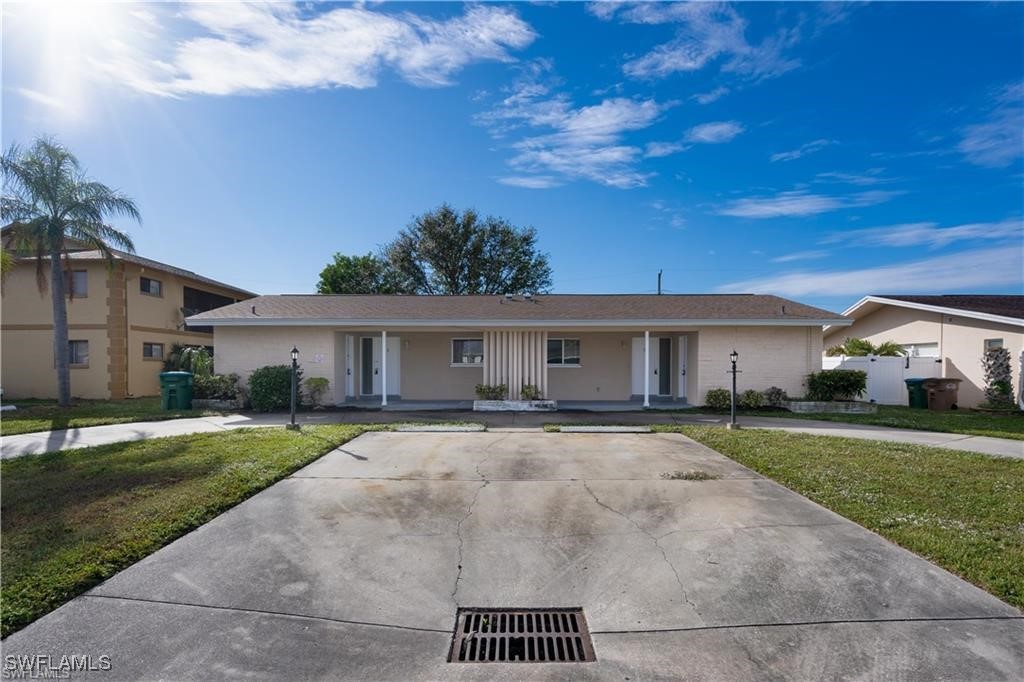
(571, 347)
(955, 329)
(122, 321)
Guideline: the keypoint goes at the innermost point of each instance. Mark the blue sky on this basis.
(820, 152)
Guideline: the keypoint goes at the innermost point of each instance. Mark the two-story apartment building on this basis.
(122, 321)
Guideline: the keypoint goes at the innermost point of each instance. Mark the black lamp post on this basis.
(733, 357)
(295, 386)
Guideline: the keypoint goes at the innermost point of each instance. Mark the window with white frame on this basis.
(78, 353)
(922, 350)
(467, 352)
(564, 352)
(152, 351)
(79, 284)
(992, 344)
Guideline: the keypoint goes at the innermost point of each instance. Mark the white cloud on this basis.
(798, 203)
(872, 176)
(977, 269)
(714, 133)
(530, 181)
(997, 141)
(564, 141)
(707, 32)
(263, 47)
(658, 149)
(930, 234)
(802, 150)
(800, 255)
(42, 98)
(712, 96)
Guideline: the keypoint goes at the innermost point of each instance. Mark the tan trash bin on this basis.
(942, 393)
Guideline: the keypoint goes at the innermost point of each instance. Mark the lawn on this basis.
(71, 519)
(963, 511)
(967, 422)
(45, 415)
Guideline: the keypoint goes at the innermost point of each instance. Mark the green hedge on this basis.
(836, 384)
(270, 388)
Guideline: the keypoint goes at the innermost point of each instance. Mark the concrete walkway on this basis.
(48, 441)
(353, 567)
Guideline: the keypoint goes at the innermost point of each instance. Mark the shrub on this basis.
(486, 392)
(860, 348)
(998, 377)
(316, 387)
(195, 359)
(215, 386)
(751, 399)
(718, 399)
(270, 387)
(530, 392)
(775, 396)
(836, 384)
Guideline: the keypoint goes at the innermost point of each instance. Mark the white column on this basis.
(647, 368)
(383, 368)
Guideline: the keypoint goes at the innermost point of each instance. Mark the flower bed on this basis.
(515, 405)
(834, 406)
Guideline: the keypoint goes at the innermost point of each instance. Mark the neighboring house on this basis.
(572, 347)
(122, 322)
(955, 329)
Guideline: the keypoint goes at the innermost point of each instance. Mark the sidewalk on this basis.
(47, 441)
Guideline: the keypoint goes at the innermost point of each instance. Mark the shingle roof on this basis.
(312, 308)
(156, 265)
(1005, 305)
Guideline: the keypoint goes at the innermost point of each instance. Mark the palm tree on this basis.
(47, 203)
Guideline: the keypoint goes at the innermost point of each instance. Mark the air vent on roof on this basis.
(509, 297)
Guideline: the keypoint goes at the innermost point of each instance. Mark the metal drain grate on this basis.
(521, 636)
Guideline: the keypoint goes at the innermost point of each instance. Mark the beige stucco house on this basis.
(954, 329)
(122, 321)
(643, 348)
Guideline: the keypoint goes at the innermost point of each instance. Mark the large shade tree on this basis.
(367, 274)
(50, 205)
(445, 252)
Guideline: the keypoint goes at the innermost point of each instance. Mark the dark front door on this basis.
(366, 365)
(664, 366)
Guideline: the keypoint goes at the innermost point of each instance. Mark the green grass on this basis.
(963, 511)
(45, 415)
(72, 519)
(967, 422)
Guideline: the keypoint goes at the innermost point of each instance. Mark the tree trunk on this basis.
(60, 330)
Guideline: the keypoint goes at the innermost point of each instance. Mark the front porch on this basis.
(591, 370)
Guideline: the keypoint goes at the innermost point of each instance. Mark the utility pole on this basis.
(659, 282)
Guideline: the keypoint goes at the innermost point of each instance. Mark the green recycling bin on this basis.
(917, 396)
(176, 390)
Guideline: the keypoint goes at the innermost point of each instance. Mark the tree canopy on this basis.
(446, 252)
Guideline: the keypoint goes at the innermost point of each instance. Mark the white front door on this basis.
(370, 371)
(656, 366)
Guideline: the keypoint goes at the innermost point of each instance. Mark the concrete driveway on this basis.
(353, 568)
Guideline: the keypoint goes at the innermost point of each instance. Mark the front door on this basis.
(370, 365)
(659, 367)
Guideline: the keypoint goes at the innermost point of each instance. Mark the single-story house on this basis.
(954, 329)
(644, 348)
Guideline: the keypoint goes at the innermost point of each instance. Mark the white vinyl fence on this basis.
(886, 374)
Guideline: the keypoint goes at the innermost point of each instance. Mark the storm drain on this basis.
(521, 636)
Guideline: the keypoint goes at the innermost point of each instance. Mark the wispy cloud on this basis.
(802, 150)
(800, 255)
(263, 47)
(714, 133)
(42, 98)
(997, 141)
(531, 181)
(798, 203)
(977, 269)
(564, 141)
(872, 176)
(707, 32)
(712, 96)
(658, 149)
(931, 234)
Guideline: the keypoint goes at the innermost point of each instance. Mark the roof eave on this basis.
(199, 320)
(944, 310)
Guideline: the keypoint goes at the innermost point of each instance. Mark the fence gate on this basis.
(886, 374)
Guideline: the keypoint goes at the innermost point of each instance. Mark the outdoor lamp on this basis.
(734, 356)
(295, 385)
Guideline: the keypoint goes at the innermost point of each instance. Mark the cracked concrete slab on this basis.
(353, 567)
